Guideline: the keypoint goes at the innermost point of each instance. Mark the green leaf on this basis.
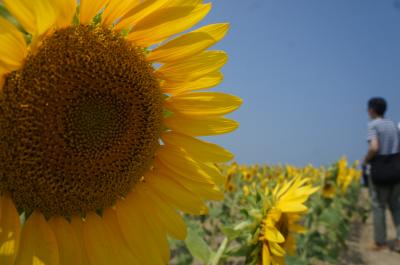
(258, 197)
(3, 10)
(245, 213)
(290, 260)
(221, 250)
(198, 247)
(243, 225)
(240, 251)
(230, 232)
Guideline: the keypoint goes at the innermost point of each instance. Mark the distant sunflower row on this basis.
(276, 200)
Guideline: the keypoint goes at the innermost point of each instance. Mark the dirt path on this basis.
(360, 242)
(385, 257)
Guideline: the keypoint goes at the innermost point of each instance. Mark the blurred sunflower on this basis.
(246, 190)
(345, 175)
(329, 190)
(247, 176)
(99, 125)
(282, 218)
(230, 187)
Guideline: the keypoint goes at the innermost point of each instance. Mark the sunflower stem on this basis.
(215, 259)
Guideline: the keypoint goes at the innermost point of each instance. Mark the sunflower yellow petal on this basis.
(176, 194)
(295, 198)
(193, 68)
(297, 191)
(12, 46)
(276, 249)
(204, 82)
(77, 226)
(168, 217)
(90, 8)
(280, 191)
(125, 254)
(181, 171)
(134, 226)
(205, 191)
(266, 256)
(183, 2)
(274, 215)
(139, 12)
(36, 17)
(179, 162)
(199, 184)
(156, 230)
(23, 13)
(298, 228)
(67, 241)
(278, 260)
(3, 73)
(189, 44)
(66, 12)
(294, 217)
(116, 9)
(97, 242)
(203, 103)
(272, 234)
(9, 231)
(213, 171)
(166, 22)
(200, 126)
(198, 149)
(292, 207)
(290, 245)
(46, 13)
(38, 243)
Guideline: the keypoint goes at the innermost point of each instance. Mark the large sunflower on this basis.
(98, 127)
(281, 221)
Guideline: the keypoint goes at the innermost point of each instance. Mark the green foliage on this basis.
(230, 233)
(329, 224)
(198, 247)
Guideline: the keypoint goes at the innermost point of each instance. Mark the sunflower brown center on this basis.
(79, 123)
(283, 225)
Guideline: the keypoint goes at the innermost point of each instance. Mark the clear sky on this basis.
(305, 70)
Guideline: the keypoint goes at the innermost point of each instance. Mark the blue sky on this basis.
(305, 69)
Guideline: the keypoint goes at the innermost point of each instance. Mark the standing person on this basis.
(384, 159)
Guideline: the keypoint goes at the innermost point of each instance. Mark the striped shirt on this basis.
(388, 135)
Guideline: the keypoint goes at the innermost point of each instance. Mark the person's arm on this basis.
(372, 150)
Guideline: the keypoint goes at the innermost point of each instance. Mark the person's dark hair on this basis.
(378, 105)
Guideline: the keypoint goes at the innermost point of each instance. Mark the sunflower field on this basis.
(104, 106)
(276, 215)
